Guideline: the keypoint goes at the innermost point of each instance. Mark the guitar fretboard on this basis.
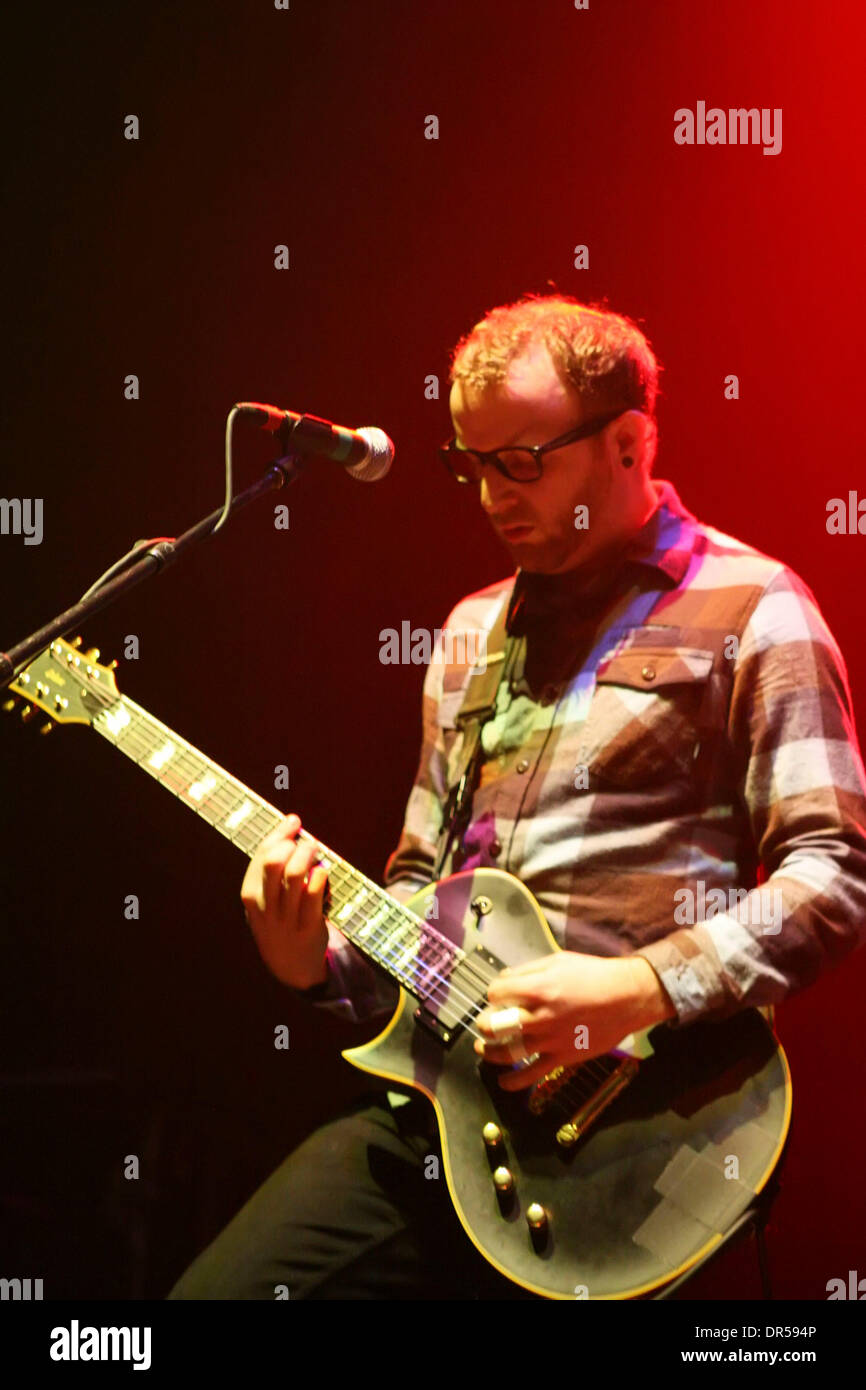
(412, 951)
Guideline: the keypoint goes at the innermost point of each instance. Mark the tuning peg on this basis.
(46, 728)
(8, 706)
(76, 642)
(112, 665)
(92, 654)
(27, 713)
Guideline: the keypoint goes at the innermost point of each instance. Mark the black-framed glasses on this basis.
(523, 463)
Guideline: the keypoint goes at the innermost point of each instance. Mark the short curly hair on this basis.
(603, 355)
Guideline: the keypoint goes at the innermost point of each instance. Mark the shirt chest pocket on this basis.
(645, 718)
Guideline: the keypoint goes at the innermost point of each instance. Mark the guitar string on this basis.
(142, 724)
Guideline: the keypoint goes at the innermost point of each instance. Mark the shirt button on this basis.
(495, 847)
(649, 673)
(523, 765)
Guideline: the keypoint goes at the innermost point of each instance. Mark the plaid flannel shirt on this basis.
(693, 792)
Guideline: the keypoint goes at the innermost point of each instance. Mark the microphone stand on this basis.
(163, 552)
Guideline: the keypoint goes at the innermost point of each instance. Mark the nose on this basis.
(494, 489)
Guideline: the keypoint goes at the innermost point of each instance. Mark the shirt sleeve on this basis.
(353, 990)
(791, 730)
(410, 867)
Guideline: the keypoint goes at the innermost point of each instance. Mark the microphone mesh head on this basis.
(379, 459)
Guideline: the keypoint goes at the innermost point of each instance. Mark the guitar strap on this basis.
(479, 705)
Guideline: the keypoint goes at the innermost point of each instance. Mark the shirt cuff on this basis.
(353, 989)
(690, 976)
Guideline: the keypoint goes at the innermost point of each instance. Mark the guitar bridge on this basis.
(621, 1073)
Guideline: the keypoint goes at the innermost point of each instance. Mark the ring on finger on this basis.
(505, 1024)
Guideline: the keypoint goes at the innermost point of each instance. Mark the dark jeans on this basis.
(351, 1215)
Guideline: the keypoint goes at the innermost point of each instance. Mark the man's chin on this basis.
(540, 557)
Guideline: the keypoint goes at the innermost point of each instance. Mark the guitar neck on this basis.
(391, 936)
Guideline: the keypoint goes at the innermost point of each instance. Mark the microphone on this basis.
(366, 454)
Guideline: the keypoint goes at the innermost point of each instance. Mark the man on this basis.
(676, 720)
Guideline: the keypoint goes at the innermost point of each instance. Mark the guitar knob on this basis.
(492, 1135)
(503, 1181)
(539, 1227)
(494, 1144)
(536, 1217)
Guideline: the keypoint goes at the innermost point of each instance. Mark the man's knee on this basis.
(342, 1192)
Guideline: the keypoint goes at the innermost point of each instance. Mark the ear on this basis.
(634, 438)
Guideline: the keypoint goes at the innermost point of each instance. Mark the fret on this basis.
(371, 925)
(350, 906)
(144, 741)
(406, 955)
(190, 768)
(114, 720)
(263, 820)
(238, 815)
(402, 945)
(162, 755)
(248, 836)
(201, 789)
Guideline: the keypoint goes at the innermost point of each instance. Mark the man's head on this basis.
(532, 371)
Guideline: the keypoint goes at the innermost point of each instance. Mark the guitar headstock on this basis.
(62, 682)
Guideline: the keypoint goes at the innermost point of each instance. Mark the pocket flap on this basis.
(649, 668)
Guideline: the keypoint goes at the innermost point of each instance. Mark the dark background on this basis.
(155, 257)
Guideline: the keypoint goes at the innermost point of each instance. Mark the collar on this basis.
(665, 543)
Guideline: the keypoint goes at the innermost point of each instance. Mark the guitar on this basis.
(608, 1179)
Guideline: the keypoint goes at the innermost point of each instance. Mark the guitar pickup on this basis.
(445, 1033)
(467, 977)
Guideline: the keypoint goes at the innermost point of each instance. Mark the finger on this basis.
(521, 991)
(265, 880)
(274, 844)
(527, 967)
(273, 848)
(313, 900)
(522, 1077)
(288, 829)
(272, 871)
(295, 874)
(504, 1051)
(520, 980)
(503, 1054)
(497, 1024)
